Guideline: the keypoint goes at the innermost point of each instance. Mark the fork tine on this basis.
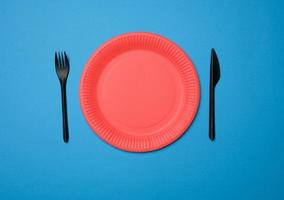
(60, 60)
(56, 60)
(63, 60)
(66, 60)
(58, 57)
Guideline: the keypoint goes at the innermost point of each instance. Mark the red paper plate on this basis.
(139, 92)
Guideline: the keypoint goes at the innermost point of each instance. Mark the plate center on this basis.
(140, 92)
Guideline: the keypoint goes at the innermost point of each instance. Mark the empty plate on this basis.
(139, 92)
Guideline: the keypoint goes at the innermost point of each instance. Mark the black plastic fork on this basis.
(62, 69)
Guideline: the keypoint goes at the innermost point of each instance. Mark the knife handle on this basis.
(212, 113)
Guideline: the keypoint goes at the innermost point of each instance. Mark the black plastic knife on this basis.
(214, 78)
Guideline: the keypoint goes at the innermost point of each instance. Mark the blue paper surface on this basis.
(245, 162)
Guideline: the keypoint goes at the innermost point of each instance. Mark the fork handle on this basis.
(64, 112)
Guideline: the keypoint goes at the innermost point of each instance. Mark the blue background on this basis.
(245, 162)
